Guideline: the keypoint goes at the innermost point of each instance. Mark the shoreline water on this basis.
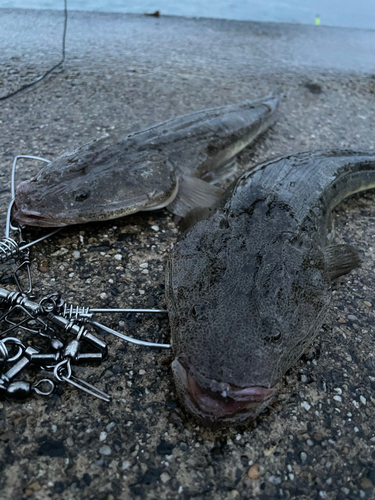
(321, 26)
(332, 13)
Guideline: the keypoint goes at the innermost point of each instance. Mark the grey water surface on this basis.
(345, 13)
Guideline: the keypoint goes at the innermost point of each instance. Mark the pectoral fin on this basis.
(341, 259)
(223, 172)
(193, 193)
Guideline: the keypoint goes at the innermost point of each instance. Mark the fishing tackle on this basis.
(86, 314)
(9, 248)
(20, 389)
(63, 373)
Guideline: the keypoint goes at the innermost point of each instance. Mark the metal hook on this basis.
(129, 310)
(24, 266)
(129, 339)
(78, 382)
(77, 312)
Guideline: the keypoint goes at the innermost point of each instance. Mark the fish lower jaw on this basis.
(219, 408)
(31, 218)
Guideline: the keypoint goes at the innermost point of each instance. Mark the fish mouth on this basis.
(219, 402)
(33, 218)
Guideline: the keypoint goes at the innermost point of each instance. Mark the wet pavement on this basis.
(123, 73)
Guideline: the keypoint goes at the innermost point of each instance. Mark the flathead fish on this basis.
(172, 164)
(249, 287)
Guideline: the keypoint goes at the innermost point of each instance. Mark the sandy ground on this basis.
(122, 73)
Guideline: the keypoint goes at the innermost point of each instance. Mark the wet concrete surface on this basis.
(317, 440)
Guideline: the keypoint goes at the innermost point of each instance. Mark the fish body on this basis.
(168, 165)
(249, 287)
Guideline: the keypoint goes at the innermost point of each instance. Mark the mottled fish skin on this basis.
(248, 289)
(164, 165)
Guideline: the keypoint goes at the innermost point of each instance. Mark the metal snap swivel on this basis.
(15, 341)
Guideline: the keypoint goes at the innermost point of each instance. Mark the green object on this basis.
(317, 21)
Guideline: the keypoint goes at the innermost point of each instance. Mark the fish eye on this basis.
(82, 195)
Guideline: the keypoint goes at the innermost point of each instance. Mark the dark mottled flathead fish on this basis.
(170, 164)
(249, 287)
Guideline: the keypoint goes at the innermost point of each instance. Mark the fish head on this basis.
(97, 181)
(244, 299)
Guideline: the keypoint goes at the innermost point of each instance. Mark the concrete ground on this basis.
(317, 441)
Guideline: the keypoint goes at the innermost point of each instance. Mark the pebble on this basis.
(70, 441)
(306, 405)
(165, 477)
(234, 494)
(254, 472)
(142, 372)
(303, 457)
(43, 267)
(323, 494)
(76, 254)
(105, 450)
(367, 303)
(274, 480)
(366, 483)
(61, 251)
(351, 317)
(34, 487)
(337, 398)
(103, 436)
(155, 228)
(103, 296)
(144, 265)
(118, 256)
(125, 464)
(363, 399)
(110, 426)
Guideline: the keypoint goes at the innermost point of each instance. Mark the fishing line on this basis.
(28, 85)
